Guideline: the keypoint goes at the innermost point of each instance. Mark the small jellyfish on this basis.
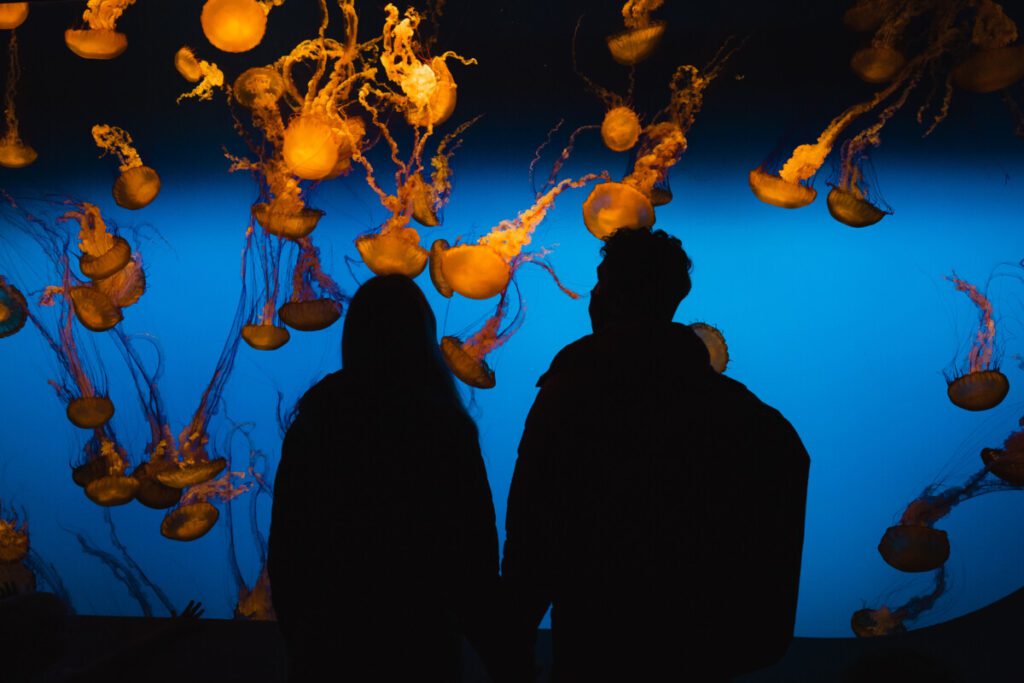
(996, 64)
(714, 340)
(14, 153)
(195, 515)
(236, 25)
(483, 270)
(125, 287)
(105, 482)
(849, 201)
(90, 412)
(318, 146)
(914, 547)
(103, 254)
(883, 621)
(259, 87)
(256, 604)
(395, 249)
(437, 250)
(867, 15)
(137, 185)
(206, 75)
(641, 35)
(100, 40)
(94, 309)
(430, 198)
(612, 206)
(13, 539)
(305, 311)
(13, 14)
(620, 127)
(982, 386)
(13, 309)
(152, 493)
(467, 359)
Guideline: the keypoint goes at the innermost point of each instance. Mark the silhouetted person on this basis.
(657, 505)
(383, 544)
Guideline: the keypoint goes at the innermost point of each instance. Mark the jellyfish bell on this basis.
(714, 341)
(189, 522)
(393, 251)
(136, 187)
(89, 471)
(435, 78)
(437, 252)
(868, 623)
(661, 192)
(233, 25)
(849, 209)
(112, 490)
(422, 201)
(771, 189)
(94, 309)
(258, 87)
(16, 154)
(13, 310)
(634, 45)
(612, 206)
(864, 16)
(877, 63)
(107, 263)
(90, 412)
(13, 14)
(125, 287)
(979, 390)
(620, 129)
(152, 493)
(191, 474)
(287, 223)
(96, 43)
(187, 65)
(312, 148)
(1008, 465)
(472, 370)
(914, 548)
(265, 337)
(990, 70)
(310, 316)
(475, 271)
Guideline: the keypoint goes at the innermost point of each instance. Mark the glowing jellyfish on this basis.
(620, 127)
(125, 287)
(394, 250)
(613, 206)
(195, 515)
(258, 87)
(13, 539)
(13, 309)
(94, 309)
(437, 250)
(137, 185)
(996, 64)
(641, 36)
(467, 359)
(100, 40)
(236, 25)
(318, 147)
(430, 198)
(13, 14)
(714, 341)
(483, 270)
(14, 153)
(103, 473)
(206, 75)
(983, 386)
(883, 621)
(306, 311)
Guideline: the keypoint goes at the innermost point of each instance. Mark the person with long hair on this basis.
(383, 546)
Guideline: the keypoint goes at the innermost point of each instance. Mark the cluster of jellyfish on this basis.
(913, 544)
(971, 45)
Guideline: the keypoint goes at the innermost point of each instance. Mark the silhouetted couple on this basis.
(656, 505)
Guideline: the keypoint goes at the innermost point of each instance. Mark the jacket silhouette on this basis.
(657, 505)
(383, 545)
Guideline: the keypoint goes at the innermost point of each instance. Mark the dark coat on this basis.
(383, 534)
(660, 507)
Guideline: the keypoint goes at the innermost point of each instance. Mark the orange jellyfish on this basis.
(997, 63)
(100, 40)
(258, 88)
(137, 185)
(195, 515)
(483, 270)
(13, 14)
(255, 604)
(882, 60)
(982, 386)
(1007, 463)
(236, 25)
(714, 340)
(206, 75)
(263, 334)
(13, 539)
(14, 153)
(641, 35)
(430, 198)
(867, 15)
(108, 484)
(613, 206)
(305, 311)
(13, 309)
(883, 621)
(621, 127)
(467, 359)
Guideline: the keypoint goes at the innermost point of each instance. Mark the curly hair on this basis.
(648, 268)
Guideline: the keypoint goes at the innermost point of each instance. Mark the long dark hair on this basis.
(389, 343)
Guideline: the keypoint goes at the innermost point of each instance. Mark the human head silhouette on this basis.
(390, 335)
(642, 278)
